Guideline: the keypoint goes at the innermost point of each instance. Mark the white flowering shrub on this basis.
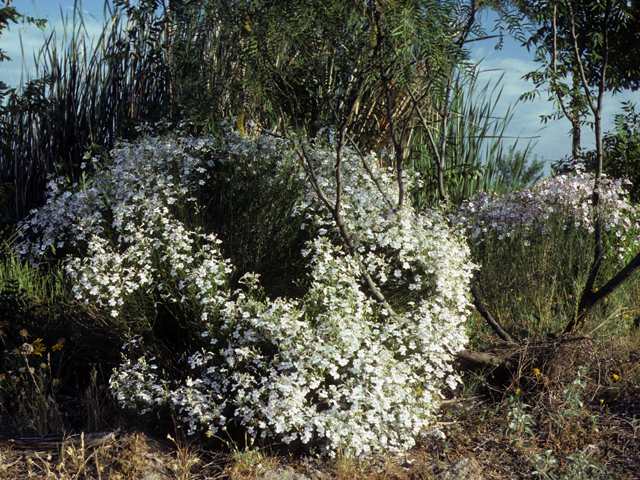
(328, 371)
(124, 243)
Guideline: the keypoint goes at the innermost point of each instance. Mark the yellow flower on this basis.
(519, 298)
(536, 372)
(59, 345)
(601, 401)
(38, 347)
(615, 377)
(517, 391)
(208, 433)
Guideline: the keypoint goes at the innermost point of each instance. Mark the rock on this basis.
(319, 475)
(281, 473)
(465, 469)
(156, 469)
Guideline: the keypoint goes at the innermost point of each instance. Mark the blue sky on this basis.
(512, 60)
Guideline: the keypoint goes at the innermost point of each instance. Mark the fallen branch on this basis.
(86, 440)
(486, 359)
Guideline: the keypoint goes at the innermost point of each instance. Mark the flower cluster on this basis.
(122, 230)
(566, 197)
(331, 370)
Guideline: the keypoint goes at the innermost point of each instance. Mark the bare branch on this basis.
(432, 142)
(346, 235)
(477, 302)
(611, 286)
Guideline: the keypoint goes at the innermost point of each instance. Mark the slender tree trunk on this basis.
(397, 147)
(596, 109)
(574, 106)
(611, 286)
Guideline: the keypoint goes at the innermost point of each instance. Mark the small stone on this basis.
(281, 473)
(465, 469)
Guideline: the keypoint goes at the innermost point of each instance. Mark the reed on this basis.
(82, 95)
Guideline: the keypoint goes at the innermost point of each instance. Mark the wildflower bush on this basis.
(30, 360)
(329, 370)
(535, 247)
(528, 212)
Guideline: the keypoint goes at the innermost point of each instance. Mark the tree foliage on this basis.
(394, 74)
(583, 48)
(8, 13)
(621, 150)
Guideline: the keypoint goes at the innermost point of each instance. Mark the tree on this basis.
(367, 70)
(604, 37)
(249, 61)
(584, 50)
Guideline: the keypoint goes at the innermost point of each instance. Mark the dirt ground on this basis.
(478, 434)
(502, 419)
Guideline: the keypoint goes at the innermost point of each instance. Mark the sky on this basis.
(512, 60)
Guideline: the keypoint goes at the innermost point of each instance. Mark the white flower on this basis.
(332, 368)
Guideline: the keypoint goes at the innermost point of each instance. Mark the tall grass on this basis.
(81, 96)
(475, 156)
(532, 286)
